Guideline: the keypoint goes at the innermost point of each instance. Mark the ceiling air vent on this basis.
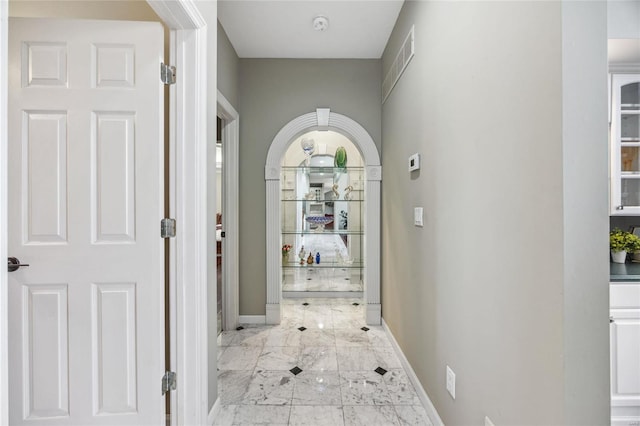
(407, 50)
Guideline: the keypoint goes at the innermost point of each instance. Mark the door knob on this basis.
(13, 264)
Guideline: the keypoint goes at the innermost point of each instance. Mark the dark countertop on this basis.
(624, 271)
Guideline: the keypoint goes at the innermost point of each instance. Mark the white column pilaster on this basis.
(372, 246)
(273, 256)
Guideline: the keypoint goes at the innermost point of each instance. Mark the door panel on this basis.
(114, 347)
(86, 334)
(113, 177)
(44, 177)
(45, 362)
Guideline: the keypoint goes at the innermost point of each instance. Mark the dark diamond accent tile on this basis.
(364, 329)
(296, 370)
(348, 279)
(302, 328)
(381, 371)
(305, 304)
(309, 279)
(355, 304)
(240, 328)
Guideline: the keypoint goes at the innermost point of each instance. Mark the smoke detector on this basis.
(320, 23)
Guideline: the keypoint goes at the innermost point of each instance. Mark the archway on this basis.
(324, 119)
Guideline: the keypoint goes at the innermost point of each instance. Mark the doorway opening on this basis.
(323, 119)
(624, 138)
(219, 226)
(226, 214)
(322, 217)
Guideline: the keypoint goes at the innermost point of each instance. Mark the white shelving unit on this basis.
(326, 192)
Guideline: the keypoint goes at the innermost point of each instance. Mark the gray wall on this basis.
(228, 66)
(623, 19)
(227, 83)
(480, 287)
(586, 209)
(272, 93)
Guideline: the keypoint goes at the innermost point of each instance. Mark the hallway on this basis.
(320, 366)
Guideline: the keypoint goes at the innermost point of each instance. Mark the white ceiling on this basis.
(283, 29)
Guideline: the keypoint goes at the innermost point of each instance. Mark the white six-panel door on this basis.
(86, 334)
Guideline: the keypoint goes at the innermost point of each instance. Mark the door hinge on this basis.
(167, 74)
(168, 382)
(167, 228)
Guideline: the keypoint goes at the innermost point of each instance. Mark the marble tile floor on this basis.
(321, 366)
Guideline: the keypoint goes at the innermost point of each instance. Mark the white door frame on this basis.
(188, 278)
(4, 332)
(325, 119)
(230, 210)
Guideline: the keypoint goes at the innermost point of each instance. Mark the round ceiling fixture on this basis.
(320, 23)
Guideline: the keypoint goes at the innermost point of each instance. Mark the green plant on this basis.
(616, 240)
(633, 243)
(623, 241)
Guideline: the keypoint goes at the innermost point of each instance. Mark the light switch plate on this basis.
(451, 382)
(418, 213)
(414, 162)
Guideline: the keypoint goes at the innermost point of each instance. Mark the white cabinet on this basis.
(625, 144)
(625, 353)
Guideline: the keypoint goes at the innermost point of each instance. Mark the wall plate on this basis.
(414, 162)
(418, 213)
(451, 382)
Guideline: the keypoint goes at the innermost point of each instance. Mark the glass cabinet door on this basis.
(625, 145)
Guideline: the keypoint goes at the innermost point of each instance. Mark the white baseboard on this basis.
(215, 410)
(422, 394)
(252, 319)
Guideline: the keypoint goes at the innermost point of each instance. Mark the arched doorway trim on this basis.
(324, 119)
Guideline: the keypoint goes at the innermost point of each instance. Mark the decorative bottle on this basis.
(301, 255)
(318, 258)
(310, 259)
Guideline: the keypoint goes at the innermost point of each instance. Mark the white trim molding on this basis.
(188, 186)
(324, 119)
(4, 331)
(189, 209)
(422, 394)
(624, 68)
(252, 319)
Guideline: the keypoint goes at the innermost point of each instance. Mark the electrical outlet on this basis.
(488, 422)
(414, 162)
(451, 382)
